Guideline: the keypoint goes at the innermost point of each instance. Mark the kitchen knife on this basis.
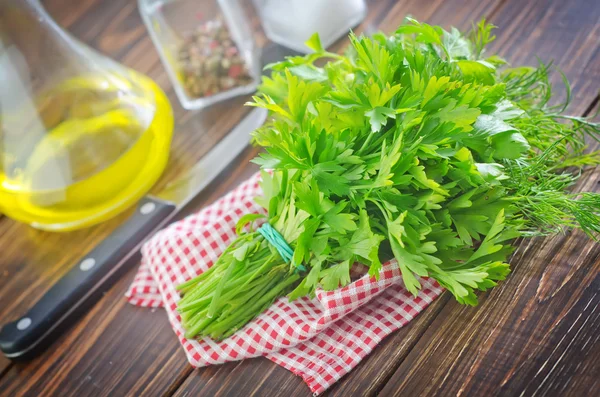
(85, 282)
(91, 276)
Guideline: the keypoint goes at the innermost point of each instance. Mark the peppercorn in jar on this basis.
(210, 61)
(209, 48)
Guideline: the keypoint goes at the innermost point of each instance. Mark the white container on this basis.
(292, 22)
(169, 22)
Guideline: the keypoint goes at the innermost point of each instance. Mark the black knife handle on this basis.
(83, 284)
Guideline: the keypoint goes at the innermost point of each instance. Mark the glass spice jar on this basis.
(210, 61)
(292, 22)
(206, 46)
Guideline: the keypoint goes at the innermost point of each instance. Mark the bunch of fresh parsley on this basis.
(417, 146)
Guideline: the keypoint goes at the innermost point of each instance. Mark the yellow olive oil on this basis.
(95, 146)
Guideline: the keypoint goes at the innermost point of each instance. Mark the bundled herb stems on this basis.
(418, 146)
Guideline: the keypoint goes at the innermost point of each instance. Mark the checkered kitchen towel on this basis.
(319, 339)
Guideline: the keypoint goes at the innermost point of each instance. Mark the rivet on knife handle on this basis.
(34, 331)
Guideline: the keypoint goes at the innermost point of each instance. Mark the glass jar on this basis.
(82, 137)
(206, 46)
(292, 22)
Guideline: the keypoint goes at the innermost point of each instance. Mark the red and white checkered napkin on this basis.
(319, 339)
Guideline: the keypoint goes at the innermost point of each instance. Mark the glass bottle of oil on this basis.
(81, 137)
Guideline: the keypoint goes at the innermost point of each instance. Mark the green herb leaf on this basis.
(314, 43)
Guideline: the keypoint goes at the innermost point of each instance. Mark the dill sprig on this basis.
(541, 181)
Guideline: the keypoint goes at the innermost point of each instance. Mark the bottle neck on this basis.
(33, 8)
(36, 44)
(26, 23)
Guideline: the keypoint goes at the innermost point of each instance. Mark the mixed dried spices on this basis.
(210, 61)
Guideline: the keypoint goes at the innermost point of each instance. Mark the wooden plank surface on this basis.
(541, 315)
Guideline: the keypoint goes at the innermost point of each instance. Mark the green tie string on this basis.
(276, 240)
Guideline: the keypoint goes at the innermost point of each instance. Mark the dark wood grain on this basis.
(5, 363)
(565, 32)
(530, 335)
(537, 332)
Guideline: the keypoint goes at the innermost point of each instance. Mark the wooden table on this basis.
(536, 334)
